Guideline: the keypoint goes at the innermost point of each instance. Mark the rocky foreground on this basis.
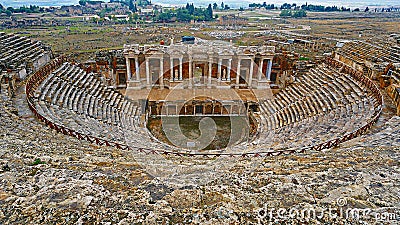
(49, 178)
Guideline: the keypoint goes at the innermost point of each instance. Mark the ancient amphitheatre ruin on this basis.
(106, 106)
(332, 103)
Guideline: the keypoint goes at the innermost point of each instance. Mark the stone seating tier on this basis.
(322, 105)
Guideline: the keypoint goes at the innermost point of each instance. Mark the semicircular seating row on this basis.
(360, 51)
(80, 101)
(321, 105)
(15, 49)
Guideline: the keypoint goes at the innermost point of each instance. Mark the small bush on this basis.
(37, 162)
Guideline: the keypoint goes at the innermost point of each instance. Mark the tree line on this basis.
(186, 14)
(23, 9)
(294, 13)
(264, 5)
(316, 8)
(307, 7)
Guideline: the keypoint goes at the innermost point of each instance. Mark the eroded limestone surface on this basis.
(75, 182)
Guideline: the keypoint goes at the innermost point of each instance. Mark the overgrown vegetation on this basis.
(306, 7)
(321, 8)
(23, 9)
(295, 13)
(186, 14)
(264, 5)
(37, 162)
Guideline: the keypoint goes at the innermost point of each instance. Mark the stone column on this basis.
(171, 66)
(269, 69)
(219, 69)
(228, 70)
(250, 73)
(209, 73)
(180, 67)
(190, 72)
(137, 69)
(128, 68)
(238, 73)
(147, 73)
(161, 75)
(260, 69)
